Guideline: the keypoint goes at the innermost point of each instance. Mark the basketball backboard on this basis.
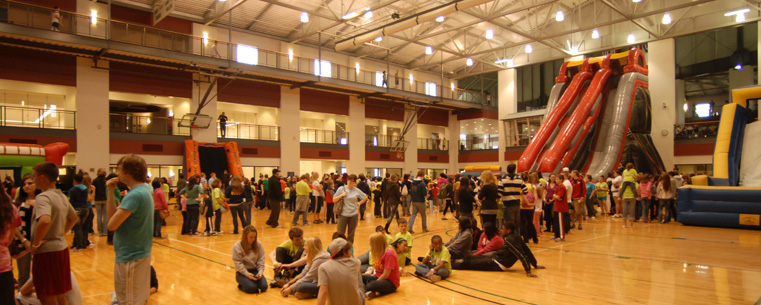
(193, 120)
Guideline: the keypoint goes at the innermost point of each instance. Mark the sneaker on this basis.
(370, 295)
(444, 218)
(435, 278)
(426, 231)
(579, 227)
(307, 224)
(205, 234)
(278, 227)
(573, 226)
(594, 217)
(411, 232)
(220, 232)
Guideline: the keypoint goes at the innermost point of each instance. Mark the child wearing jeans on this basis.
(436, 264)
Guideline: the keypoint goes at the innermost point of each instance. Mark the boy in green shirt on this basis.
(436, 265)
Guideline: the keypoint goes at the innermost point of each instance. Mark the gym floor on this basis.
(603, 263)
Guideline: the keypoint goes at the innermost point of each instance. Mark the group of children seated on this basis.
(297, 261)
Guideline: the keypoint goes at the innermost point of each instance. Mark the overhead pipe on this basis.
(408, 22)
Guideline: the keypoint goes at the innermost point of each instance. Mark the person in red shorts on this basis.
(53, 216)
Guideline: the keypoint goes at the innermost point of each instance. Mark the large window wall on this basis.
(382, 133)
(535, 84)
(323, 128)
(33, 105)
(521, 128)
(479, 134)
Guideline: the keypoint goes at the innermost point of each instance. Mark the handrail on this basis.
(179, 44)
(50, 118)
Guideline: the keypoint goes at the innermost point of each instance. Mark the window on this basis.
(430, 88)
(247, 54)
(703, 110)
(379, 80)
(322, 68)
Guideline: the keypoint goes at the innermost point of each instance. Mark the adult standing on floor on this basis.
(235, 197)
(394, 199)
(274, 196)
(352, 198)
(132, 224)
(418, 192)
(192, 191)
(100, 202)
(365, 188)
(25, 203)
(487, 198)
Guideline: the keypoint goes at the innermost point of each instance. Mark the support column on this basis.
(680, 100)
(410, 156)
(356, 124)
(290, 141)
(92, 116)
(662, 63)
(200, 85)
(508, 104)
(454, 142)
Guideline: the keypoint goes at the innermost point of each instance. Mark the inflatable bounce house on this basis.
(731, 198)
(22, 157)
(598, 119)
(476, 171)
(212, 158)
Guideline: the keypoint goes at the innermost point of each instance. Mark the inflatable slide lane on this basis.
(558, 114)
(729, 144)
(600, 125)
(212, 158)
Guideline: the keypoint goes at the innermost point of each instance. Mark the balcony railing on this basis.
(323, 136)
(37, 117)
(432, 144)
(696, 130)
(239, 130)
(479, 142)
(36, 16)
(380, 140)
(131, 123)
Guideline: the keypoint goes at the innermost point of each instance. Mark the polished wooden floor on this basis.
(604, 263)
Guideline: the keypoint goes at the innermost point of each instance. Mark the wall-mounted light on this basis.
(412, 80)
(93, 16)
(356, 67)
(205, 38)
(290, 54)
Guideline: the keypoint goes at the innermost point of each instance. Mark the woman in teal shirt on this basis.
(191, 193)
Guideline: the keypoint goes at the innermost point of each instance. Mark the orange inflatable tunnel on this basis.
(212, 157)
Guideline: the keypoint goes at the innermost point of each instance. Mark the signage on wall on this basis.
(161, 9)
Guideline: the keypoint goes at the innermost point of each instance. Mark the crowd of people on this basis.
(497, 216)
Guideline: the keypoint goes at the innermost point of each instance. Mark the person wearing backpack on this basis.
(418, 193)
(446, 194)
(394, 199)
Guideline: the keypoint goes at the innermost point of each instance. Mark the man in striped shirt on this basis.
(511, 187)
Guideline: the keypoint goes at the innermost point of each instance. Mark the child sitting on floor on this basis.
(436, 265)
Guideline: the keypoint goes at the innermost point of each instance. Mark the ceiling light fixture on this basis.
(368, 14)
(636, 1)
(739, 67)
(529, 49)
(666, 18)
(739, 14)
(350, 15)
(440, 19)
(574, 50)
(631, 39)
(489, 34)
(379, 38)
(507, 61)
(428, 50)
(559, 16)
(469, 62)
(595, 34)
(304, 17)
